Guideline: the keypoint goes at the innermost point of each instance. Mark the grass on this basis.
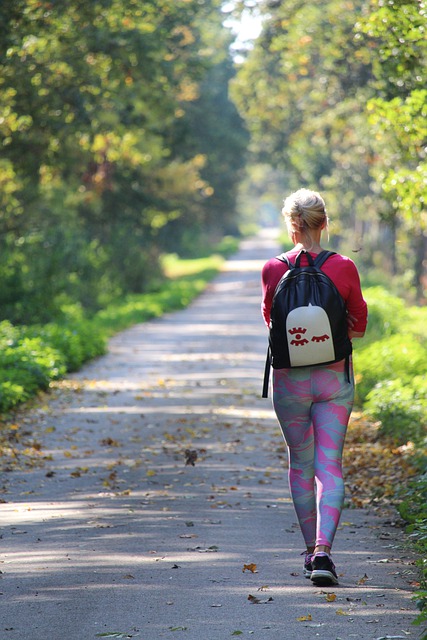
(33, 356)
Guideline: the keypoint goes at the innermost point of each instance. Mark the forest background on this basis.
(137, 134)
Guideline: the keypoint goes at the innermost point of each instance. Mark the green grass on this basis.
(31, 357)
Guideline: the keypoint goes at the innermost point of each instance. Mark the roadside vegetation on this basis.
(388, 443)
(32, 356)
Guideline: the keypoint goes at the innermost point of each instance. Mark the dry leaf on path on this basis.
(254, 600)
(190, 457)
(250, 567)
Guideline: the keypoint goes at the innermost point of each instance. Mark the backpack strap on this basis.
(266, 375)
(318, 261)
(284, 258)
(321, 258)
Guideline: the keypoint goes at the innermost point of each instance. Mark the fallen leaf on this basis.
(363, 579)
(109, 442)
(305, 618)
(254, 600)
(190, 457)
(250, 567)
(340, 612)
(331, 597)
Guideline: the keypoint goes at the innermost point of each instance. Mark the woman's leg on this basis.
(330, 412)
(292, 401)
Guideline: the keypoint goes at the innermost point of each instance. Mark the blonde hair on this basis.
(304, 210)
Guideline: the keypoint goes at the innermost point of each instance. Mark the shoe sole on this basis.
(323, 578)
(307, 573)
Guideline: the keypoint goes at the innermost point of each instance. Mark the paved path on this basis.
(114, 535)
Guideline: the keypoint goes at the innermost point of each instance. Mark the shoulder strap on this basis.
(322, 257)
(266, 375)
(308, 256)
(284, 258)
(318, 261)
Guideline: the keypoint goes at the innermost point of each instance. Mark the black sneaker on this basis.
(323, 572)
(307, 564)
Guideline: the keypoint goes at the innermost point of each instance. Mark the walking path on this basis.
(117, 534)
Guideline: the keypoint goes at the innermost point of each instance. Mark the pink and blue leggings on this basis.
(313, 406)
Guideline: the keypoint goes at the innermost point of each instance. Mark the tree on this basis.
(301, 93)
(93, 94)
(397, 116)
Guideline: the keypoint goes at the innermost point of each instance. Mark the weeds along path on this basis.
(159, 502)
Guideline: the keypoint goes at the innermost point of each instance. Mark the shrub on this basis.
(401, 408)
(32, 356)
(26, 365)
(386, 314)
(397, 356)
(76, 342)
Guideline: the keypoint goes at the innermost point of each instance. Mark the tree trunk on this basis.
(420, 266)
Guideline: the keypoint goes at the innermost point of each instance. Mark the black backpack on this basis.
(308, 319)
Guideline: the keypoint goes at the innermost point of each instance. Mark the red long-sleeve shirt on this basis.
(340, 269)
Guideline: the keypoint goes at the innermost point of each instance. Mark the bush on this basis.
(401, 408)
(76, 342)
(32, 356)
(397, 356)
(26, 365)
(413, 509)
(387, 313)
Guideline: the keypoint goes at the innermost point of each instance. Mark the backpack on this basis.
(308, 324)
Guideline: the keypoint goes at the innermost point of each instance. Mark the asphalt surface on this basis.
(159, 506)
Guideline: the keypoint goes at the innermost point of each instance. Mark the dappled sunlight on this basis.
(157, 473)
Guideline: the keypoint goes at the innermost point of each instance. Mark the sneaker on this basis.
(323, 572)
(307, 564)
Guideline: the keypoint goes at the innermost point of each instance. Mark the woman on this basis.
(313, 403)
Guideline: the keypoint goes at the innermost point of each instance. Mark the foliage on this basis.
(300, 92)
(398, 356)
(112, 151)
(333, 95)
(401, 408)
(394, 349)
(413, 509)
(391, 373)
(32, 356)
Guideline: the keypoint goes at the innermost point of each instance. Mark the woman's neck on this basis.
(313, 247)
(307, 242)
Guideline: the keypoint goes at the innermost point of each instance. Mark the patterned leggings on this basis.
(313, 406)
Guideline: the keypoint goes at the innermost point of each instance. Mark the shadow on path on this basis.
(113, 533)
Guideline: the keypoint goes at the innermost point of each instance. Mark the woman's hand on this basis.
(351, 321)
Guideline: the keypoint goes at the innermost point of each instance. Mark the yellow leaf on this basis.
(151, 473)
(331, 597)
(250, 567)
(340, 612)
(304, 618)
